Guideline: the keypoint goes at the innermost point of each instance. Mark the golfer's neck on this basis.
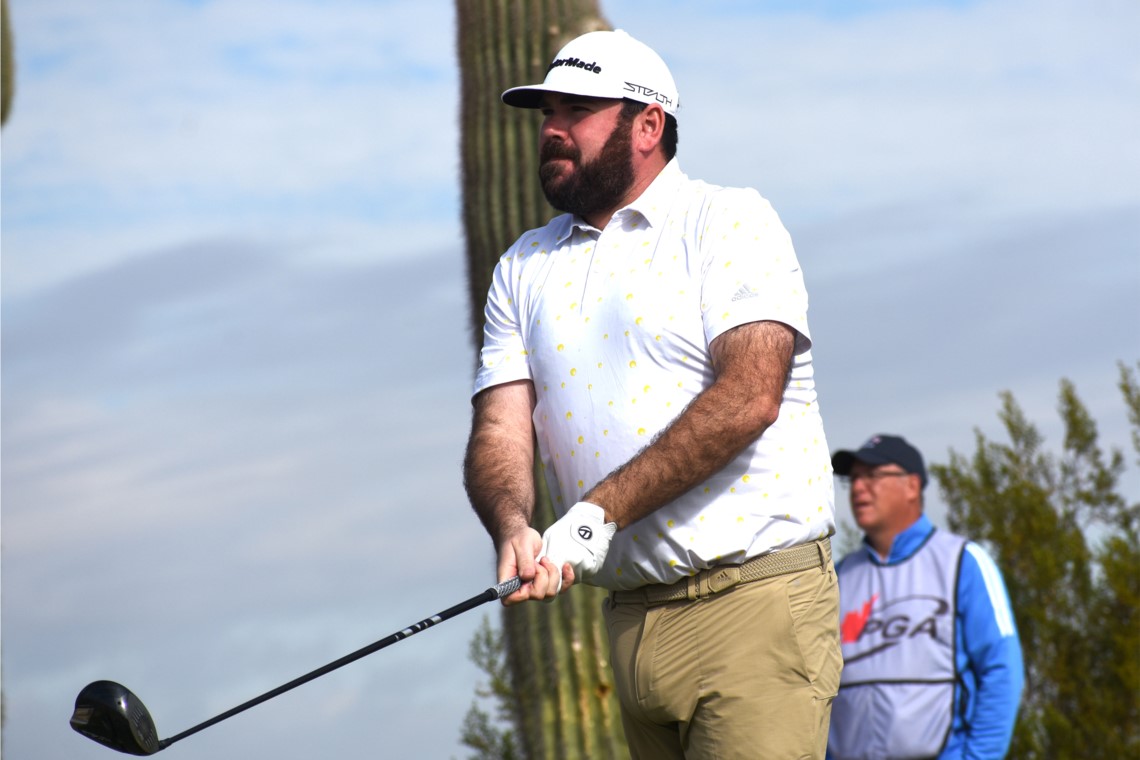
(640, 185)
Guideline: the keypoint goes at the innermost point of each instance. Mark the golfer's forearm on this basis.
(703, 440)
(498, 469)
(500, 484)
(751, 364)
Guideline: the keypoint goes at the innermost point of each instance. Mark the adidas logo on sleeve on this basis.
(744, 292)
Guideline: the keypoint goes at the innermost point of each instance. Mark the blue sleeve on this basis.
(993, 655)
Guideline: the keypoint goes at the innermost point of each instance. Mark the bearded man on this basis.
(654, 341)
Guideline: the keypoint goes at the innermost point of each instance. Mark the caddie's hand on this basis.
(580, 538)
(519, 555)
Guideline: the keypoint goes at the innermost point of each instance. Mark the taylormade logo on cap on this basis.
(603, 65)
(575, 62)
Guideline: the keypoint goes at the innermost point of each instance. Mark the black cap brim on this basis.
(524, 97)
(842, 461)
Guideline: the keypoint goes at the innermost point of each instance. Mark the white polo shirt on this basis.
(613, 327)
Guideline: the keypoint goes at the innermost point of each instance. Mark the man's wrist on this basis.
(602, 514)
(508, 528)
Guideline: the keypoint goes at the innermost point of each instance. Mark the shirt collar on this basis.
(906, 543)
(652, 205)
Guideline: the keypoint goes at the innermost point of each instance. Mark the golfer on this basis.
(932, 663)
(653, 339)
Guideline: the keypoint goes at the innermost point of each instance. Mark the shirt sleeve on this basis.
(503, 357)
(750, 270)
(993, 654)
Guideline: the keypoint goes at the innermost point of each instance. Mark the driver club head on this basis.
(112, 715)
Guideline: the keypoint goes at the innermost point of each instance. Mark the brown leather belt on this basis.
(723, 577)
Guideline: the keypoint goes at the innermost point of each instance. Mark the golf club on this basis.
(112, 715)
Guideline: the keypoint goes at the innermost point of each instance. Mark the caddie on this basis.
(932, 663)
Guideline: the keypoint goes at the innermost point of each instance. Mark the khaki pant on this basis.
(749, 673)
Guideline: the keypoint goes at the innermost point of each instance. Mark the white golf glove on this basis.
(580, 538)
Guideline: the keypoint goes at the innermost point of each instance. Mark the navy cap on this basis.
(882, 449)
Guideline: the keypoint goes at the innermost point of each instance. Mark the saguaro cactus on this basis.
(7, 64)
(557, 654)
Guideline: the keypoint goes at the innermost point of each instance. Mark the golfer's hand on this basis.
(519, 555)
(580, 539)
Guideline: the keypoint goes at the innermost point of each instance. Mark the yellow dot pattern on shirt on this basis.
(746, 483)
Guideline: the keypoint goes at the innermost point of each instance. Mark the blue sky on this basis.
(235, 368)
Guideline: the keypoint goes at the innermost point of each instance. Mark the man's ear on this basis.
(649, 129)
(914, 487)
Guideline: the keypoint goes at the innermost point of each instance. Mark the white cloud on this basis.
(1019, 105)
(211, 119)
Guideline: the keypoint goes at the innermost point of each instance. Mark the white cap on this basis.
(603, 65)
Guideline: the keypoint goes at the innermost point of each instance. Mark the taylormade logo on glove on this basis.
(580, 538)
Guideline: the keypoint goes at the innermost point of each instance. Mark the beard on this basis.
(589, 188)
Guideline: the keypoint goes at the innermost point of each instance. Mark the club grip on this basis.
(507, 587)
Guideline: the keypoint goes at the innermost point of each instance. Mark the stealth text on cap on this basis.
(592, 66)
(649, 92)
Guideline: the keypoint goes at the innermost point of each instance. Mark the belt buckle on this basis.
(723, 578)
